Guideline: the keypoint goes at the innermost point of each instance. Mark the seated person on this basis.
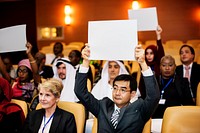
(75, 58)
(25, 85)
(57, 53)
(153, 54)
(119, 115)
(9, 66)
(174, 89)
(187, 55)
(11, 115)
(65, 71)
(110, 71)
(50, 119)
(45, 71)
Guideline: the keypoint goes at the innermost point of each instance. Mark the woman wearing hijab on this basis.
(153, 54)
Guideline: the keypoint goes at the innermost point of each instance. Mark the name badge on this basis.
(162, 101)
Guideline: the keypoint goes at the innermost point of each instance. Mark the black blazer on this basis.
(63, 122)
(132, 117)
(194, 77)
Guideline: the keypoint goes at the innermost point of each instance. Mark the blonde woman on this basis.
(50, 119)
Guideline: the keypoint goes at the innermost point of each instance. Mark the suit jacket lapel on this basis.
(54, 125)
(122, 110)
(38, 120)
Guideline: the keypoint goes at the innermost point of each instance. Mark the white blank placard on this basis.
(146, 18)
(112, 39)
(13, 38)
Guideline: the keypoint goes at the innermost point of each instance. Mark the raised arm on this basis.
(140, 57)
(85, 55)
(158, 32)
(160, 48)
(33, 63)
(81, 91)
(152, 89)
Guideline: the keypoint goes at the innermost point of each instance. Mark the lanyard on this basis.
(45, 124)
(163, 90)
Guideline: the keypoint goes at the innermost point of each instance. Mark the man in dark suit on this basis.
(187, 56)
(133, 115)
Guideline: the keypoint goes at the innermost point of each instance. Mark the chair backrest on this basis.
(22, 104)
(146, 129)
(77, 109)
(193, 42)
(181, 119)
(174, 44)
(136, 69)
(93, 71)
(198, 95)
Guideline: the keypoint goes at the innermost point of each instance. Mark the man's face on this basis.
(167, 68)
(61, 69)
(122, 93)
(73, 58)
(113, 69)
(57, 49)
(186, 56)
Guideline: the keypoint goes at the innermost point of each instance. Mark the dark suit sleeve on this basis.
(184, 91)
(152, 97)
(161, 51)
(85, 97)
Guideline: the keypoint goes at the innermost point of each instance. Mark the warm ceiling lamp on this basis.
(135, 4)
(68, 12)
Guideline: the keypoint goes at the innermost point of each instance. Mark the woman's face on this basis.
(149, 55)
(23, 73)
(47, 99)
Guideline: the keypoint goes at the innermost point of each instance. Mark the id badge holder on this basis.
(162, 101)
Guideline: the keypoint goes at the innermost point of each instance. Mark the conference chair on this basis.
(181, 119)
(22, 104)
(136, 69)
(146, 129)
(77, 109)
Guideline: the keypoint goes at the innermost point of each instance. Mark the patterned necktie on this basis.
(187, 74)
(114, 118)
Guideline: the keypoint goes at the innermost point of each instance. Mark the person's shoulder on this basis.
(65, 113)
(196, 65)
(106, 101)
(35, 113)
(179, 66)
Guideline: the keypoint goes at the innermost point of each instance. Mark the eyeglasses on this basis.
(121, 90)
(22, 70)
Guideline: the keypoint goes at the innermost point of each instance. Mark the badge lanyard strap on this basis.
(163, 90)
(45, 124)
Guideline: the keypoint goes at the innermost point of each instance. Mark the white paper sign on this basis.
(13, 39)
(112, 40)
(146, 18)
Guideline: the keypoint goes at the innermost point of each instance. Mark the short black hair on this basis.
(59, 43)
(127, 77)
(191, 49)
